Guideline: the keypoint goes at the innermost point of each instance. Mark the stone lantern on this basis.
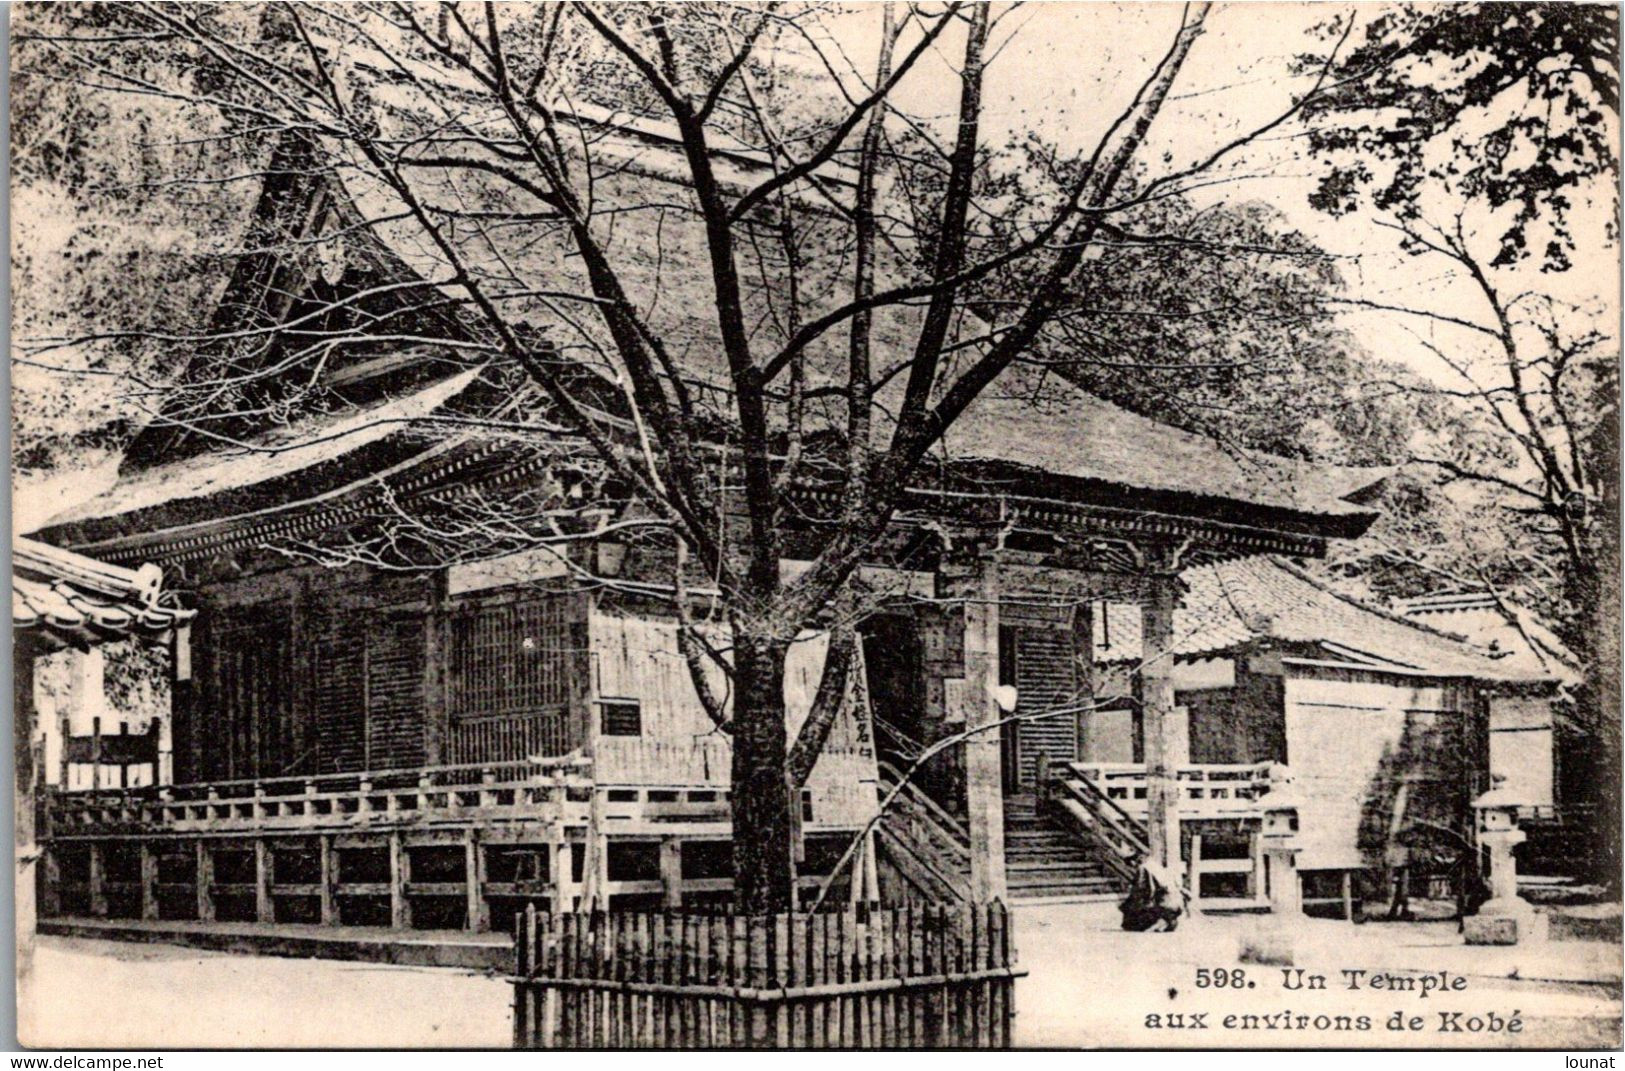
(1279, 842)
(1505, 918)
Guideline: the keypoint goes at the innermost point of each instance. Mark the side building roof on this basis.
(62, 599)
(1234, 604)
(1495, 624)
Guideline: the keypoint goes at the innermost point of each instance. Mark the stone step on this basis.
(1046, 851)
(1040, 875)
(1041, 834)
(1231, 905)
(1053, 855)
(1046, 861)
(1046, 866)
(1057, 858)
(1053, 885)
(1028, 893)
(1038, 899)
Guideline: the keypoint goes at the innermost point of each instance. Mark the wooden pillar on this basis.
(435, 677)
(161, 747)
(560, 870)
(327, 891)
(1157, 706)
(182, 766)
(96, 753)
(65, 768)
(972, 703)
(301, 708)
(595, 866)
(671, 871)
(579, 677)
(51, 905)
(478, 917)
(264, 878)
(98, 881)
(1083, 669)
(1255, 876)
(205, 880)
(1193, 874)
(400, 875)
(149, 880)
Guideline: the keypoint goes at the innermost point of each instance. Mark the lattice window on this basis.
(509, 659)
(247, 689)
(621, 717)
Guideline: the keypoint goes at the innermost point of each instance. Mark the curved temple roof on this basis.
(1059, 443)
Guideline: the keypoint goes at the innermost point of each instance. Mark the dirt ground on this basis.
(166, 997)
(1090, 985)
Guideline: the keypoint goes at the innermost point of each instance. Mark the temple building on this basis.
(369, 728)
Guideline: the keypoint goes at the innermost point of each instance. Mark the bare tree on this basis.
(832, 327)
(1486, 139)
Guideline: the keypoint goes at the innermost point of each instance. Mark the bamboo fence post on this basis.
(860, 977)
(523, 1037)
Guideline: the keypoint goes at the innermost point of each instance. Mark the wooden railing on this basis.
(525, 790)
(1106, 803)
(1120, 837)
(929, 846)
(839, 793)
(1206, 790)
(512, 790)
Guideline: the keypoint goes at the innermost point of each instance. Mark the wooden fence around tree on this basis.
(933, 976)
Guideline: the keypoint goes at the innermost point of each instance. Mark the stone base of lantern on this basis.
(1505, 921)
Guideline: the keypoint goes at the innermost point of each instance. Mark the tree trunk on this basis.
(762, 860)
(1597, 586)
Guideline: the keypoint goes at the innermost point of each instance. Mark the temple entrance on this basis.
(1010, 760)
(1010, 733)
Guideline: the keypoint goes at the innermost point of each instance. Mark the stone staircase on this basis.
(1046, 862)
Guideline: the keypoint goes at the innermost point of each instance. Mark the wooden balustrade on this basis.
(1206, 790)
(495, 793)
(542, 789)
(928, 845)
(1121, 837)
(1107, 803)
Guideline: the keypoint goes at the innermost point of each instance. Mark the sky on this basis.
(1067, 69)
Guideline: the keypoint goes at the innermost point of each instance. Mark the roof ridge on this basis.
(1511, 611)
(1360, 604)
